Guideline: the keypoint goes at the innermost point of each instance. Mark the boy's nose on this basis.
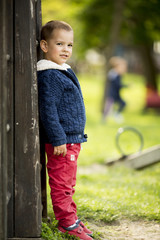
(65, 48)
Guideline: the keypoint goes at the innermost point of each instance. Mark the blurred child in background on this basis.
(118, 66)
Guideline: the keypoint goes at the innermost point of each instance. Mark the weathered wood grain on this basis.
(4, 126)
(27, 166)
(20, 185)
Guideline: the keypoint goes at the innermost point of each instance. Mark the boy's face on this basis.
(122, 67)
(59, 48)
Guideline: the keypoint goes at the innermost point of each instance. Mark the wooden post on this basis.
(42, 147)
(27, 166)
(20, 192)
(6, 53)
(10, 118)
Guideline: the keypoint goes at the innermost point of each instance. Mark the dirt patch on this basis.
(126, 230)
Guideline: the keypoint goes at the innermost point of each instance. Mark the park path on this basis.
(127, 230)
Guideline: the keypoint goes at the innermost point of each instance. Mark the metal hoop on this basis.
(124, 129)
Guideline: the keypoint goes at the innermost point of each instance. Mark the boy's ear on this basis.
(44, 46)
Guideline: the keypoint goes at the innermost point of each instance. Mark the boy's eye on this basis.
(59, 43)
(70, 45)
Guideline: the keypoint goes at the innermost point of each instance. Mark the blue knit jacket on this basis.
(61, 106)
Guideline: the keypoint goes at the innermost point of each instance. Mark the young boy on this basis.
(62, 116)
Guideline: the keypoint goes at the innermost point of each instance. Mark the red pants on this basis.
(62, 179)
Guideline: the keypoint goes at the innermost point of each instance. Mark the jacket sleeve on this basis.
(50, 92)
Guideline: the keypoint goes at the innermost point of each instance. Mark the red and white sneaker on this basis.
(86, 230)
(77, 231)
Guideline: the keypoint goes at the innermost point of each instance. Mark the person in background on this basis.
(118, 66)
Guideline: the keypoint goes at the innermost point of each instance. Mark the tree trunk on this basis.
(114, 36)
(150, 69)
(115, 27)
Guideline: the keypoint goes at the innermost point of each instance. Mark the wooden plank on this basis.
(42, 147)
(27, 167)
(3, 119)
(10, 120)
(144, 159)
(38, 28)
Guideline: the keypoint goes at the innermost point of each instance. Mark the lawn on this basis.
(107, 194)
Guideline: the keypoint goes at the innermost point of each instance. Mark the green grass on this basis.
(119, 192)
(106, 194)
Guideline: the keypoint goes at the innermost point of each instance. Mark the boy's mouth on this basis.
(64, 56)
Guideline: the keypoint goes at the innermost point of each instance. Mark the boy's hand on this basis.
(60, 150)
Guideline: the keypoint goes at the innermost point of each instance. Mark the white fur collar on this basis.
(47, 64)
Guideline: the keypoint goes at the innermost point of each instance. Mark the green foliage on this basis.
(46, 232)
(92, 21)
(142, 26)
(96, 18)
(51, 232)
(141, 22)
(56, 10)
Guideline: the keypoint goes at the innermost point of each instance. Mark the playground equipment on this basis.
(138, 159)
(144, 159)
(135, 133)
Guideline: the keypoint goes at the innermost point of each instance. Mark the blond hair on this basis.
(119, 64)
(115, 61)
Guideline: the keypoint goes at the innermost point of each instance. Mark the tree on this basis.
(143, 28)
(133, 22)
